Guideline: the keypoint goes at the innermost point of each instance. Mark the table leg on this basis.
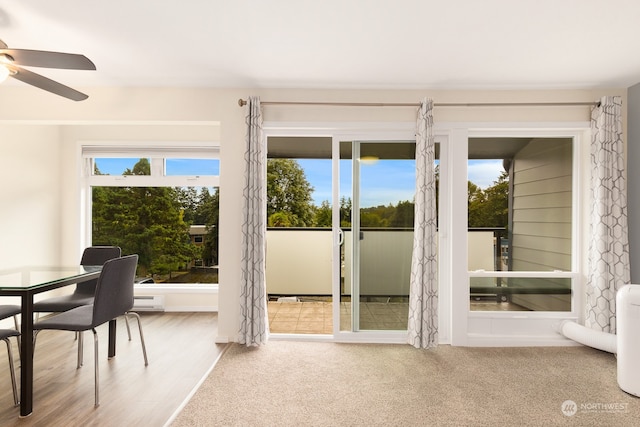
(26, 357)
(112, 338)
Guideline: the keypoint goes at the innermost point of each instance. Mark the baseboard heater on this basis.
(148, 303)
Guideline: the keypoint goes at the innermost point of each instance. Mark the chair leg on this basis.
(15, 321)
(144, 347)
(95, 362)
(80, 349)
(126, 322)
(35, 335)
(16, 401)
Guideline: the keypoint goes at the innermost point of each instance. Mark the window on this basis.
(160, 202)
(521, 225)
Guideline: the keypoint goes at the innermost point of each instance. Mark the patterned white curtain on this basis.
(609, 246)
(423, 296)
(254, 327)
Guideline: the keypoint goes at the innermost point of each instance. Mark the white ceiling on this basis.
(359, 44)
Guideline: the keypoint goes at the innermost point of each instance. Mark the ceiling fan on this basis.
(11, 61)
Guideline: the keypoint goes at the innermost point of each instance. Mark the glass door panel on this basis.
(379, 241)
(299, 235)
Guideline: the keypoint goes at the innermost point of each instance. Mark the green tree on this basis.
(282, 219)
(200, 207)
(490, 207)
(323, 214)
(345, 212)
(289, 193)
(403, 215)
(497, 202)
(209, 212)
(142, 167)
(476, 201)
(376, 216)
(369, 218)
(189, 199)
(147, 221)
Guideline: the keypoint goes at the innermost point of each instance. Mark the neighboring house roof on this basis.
(195, 230)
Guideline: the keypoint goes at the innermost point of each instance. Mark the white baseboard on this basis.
(480, 340)
(220, 339)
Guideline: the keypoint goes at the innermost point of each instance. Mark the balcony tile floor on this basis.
(315, 317)
(300, 317)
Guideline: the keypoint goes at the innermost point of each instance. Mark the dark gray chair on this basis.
(83, 293)
(113, 298)
(10, 310)
(7, 311)
(5, 334)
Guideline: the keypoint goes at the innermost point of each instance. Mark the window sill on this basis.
(177, 288)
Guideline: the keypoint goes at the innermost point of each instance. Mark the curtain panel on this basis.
(609, 266)
(254, 326)
(423, 294)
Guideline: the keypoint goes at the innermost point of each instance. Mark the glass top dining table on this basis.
(38, 277)
(25, 282)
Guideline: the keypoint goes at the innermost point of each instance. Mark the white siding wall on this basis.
(541, 239)
(633, 177)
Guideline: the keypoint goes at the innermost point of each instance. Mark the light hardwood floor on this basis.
(181, 349)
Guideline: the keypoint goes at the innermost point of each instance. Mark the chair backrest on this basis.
(114, 292)
(95, 255)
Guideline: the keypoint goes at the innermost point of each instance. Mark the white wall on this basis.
(31, 212)
(47, 202)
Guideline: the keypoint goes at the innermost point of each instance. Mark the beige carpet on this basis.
(326, 384)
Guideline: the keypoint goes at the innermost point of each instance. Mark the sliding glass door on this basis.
(376, 199)
(508, 258)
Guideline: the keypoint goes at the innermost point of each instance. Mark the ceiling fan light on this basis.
(369, 160)
(4, 73)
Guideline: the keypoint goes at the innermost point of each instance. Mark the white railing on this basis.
(299, 260)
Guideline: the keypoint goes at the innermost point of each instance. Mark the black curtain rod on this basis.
(242, 103)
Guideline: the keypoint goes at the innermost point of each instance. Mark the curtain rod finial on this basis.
(242, 102)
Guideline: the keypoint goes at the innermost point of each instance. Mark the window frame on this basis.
(471, 327)
(157, 153)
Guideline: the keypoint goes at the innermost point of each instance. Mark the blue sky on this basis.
(387, 181)
(189, 167)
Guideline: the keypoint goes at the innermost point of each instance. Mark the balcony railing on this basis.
(299, 259)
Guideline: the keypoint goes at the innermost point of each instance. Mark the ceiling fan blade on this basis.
(45, 59)
(44, 83)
